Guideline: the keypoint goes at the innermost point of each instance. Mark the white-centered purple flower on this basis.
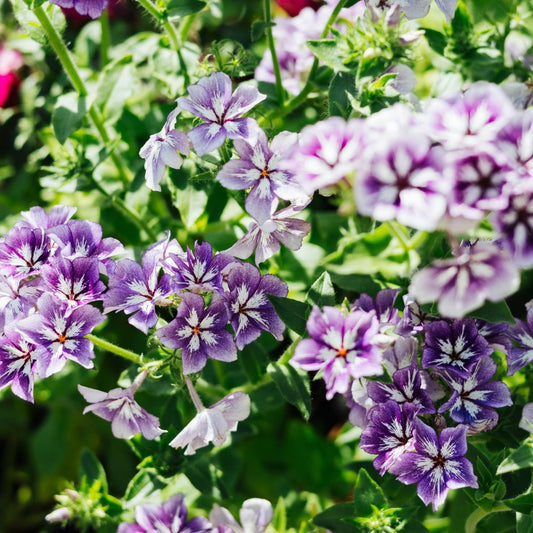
(169, 517)
(213, 101)
(526, 420)
(326, 153)
(265, 239)
(495, 333)
(37, 218)
(389, 433)
(475, 397)
(255, 515)
(416, 9)
(461, 284)
(383, 306)
(341, 347)
(17, 297)
(437, 465)
(199, 332)
(119, 407)
(258, 169)
(212, 424)
(250, 309)
(522, 354)
(455, 345)
(163, 150)
(91, 8)
(61, 331)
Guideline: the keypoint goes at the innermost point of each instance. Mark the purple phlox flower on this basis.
(526, 421)
(83, 238)
(455, 345)
(406, 387)
(413, 318)
(199, 332)
(474, 397)
(163, 150)
(76, 281)
(119, 407)
(495, 333)
(258, 169)
(389, 433)
(255, 515)
(19, 362)
(437, 465)
(212, 424)
(266, 238)
(38, 218)
(341, 347)
(404, 178)
(404, 352)
(359, 403)
(17, 297)
(383, 306)
(326, 153)
(405, 80)
(522, 354)
(518, 92)
(92, 8)
(60, 330)
(212, 100)
(169, 517)
(137, 290)
(23, 251)
(461, 284)
(250, 309)
(469, 119)
(391, 121)
(201, 271)
(416, 9)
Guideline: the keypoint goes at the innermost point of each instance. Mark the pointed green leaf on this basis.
(522, 457)
(181, 8)
(334, 518)
(326, 50)
(92, 470)
(68, 115)
(322, 292)
(292, 312)
(367, 495)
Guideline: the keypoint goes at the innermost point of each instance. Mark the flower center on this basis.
(62, 338)
(264, 173)
(342, 352)
(196, 330)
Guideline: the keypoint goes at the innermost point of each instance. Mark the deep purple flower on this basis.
(61, 331)
(212, 100)
(92, 8)
(266, 238)
(522, 333)
(119, 407)
(474, 397)
(406, 387)
(495, 333)
(455, 346)
(37, 218)
(24, 251)
(389, 433)
(169, 517)
(461, 284)
(162, 150)
(437, 465)
(137, 290)
(255, 515)
(383, 306)
(250, 309)
(17, 297)
(258, 169)
(342, 347)
(199, 333)
(413, 318)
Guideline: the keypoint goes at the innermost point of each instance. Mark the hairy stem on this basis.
(473, 520)
(113, 348)
(272, 48)
(105, 40)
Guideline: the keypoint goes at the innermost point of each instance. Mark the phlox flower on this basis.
(255, 515)
(92, 8)
(521, 355)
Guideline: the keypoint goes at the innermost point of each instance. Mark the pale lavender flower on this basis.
(359, 403)
(404, 352)
(61, 331)
(522, 333)
(266, 238)
(437, 465)
(341, 347)
(258, 169)
(37, 217)
(199, 332)
(475, 396)
(169, 517)
(383, 306)
(455, 345)
(255, 515)
(389, 433)
(250, 309)
(326, 153)
(92, 8)
(415, 9)
(17, 297)
(212, 100)
(119, 407)
(163, 150)
(526, 421)
(212, 424)
(461, 284)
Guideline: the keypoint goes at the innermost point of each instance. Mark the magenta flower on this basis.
(118, 406)
(212, 100)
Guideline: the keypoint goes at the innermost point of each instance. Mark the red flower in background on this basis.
(10, 62)
(293, 7)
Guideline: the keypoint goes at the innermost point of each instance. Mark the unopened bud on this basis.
(61, 514)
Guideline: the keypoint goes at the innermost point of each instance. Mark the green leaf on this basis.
(279, 521)
(437, 40)
(367, 495)
(342, 86)
(524, 523)
(32, 26)
(521, 504)
(68, 115)
(494, 312)
(293, 385)
(326, 51)
(259, 28)
(181, 8)
(92, 470)
(191, 201)
(143, 484)
(356, 282)
(520, 458)
(334, 518)
(321, 292)
(292, 312)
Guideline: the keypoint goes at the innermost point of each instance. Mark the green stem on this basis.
(395, 231)
(162, 18)
(172, 34)
(152, 9)
(272, 47)
(418, 239)
(105, 40)
(473, 520)
(186, 25)
(72, 72)
(113, 348)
